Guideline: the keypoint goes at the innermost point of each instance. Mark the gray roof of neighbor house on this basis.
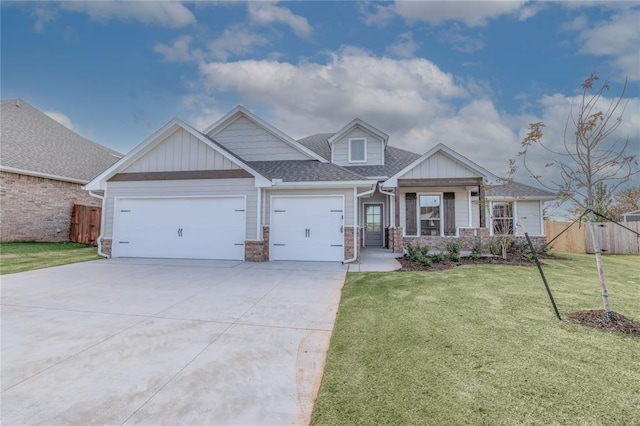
(34, 143)
(303, 171)
(395, 159)
(515, 189)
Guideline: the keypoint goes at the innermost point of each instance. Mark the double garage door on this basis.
(189, 228)
(307, 228)
(302, 228)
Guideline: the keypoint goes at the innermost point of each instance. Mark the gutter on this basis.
(355, 220)
(102, 198)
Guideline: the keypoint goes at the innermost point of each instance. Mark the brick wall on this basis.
(348, 242)
(106, 246)
(38, 209)
(257, 251)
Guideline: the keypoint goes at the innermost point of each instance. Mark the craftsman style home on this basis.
(245, 190)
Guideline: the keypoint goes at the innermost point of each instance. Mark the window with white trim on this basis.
(429, 214)
(502, 218)
(357, 150)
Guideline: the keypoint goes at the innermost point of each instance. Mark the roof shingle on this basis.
(32, 141)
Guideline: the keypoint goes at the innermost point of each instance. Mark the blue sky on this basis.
(469, 74)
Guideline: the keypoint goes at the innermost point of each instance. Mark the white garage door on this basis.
(307, 228)
(188, 228)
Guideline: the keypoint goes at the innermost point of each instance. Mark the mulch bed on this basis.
(513, 260)
(598, 319)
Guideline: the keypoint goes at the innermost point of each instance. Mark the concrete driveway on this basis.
(126, 341)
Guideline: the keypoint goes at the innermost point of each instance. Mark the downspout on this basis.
(392, 206)
(355, 221)
(102, 199)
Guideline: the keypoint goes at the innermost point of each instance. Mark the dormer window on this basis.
(357, 150)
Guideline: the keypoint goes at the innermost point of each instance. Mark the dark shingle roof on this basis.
(515, 189)
(32, 141)
(303, 171)
(395, 158)
(318, 144)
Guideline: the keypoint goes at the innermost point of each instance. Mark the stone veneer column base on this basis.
(106, 246)
(258, 251)
(348, 243)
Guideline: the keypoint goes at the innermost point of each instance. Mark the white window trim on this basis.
(514, 216)
(439, 194)
(365, 150)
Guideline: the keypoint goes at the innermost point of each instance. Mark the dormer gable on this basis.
(358, 144)
(253, 139)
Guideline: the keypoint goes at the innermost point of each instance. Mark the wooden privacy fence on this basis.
(577, 239)
(85, 224)
(615, 239)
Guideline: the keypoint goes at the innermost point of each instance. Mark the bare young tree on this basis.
(589, 156)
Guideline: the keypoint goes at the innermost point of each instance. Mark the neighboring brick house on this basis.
(43, 166)
(243, 189)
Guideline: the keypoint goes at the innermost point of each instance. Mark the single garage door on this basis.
(187, 228)
(307, 228)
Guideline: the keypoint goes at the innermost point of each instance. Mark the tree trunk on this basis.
(596, 248)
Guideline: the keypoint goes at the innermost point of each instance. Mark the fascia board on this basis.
(358, 122)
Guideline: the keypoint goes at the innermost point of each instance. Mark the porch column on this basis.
(482, 206)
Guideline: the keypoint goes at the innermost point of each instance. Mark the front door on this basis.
(373, 225)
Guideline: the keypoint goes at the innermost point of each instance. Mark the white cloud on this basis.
(235, 41)
(373, 14)
(178, 51)
(404, 47)
(162, 13)
(471, 13)
(61, 118)
(265, 13)
(459, 41)
(43, 15)
(618, 38)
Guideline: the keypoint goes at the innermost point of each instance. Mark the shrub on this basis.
(494, 247)
(476, 250)
(437, 257)
(453, 250)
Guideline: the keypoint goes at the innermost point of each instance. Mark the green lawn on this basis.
(481, 345)
(20, 257)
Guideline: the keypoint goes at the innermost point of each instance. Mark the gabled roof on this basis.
(240, 111)
(356, 122)
(100, 181)
(304, 171)
(37, 145)
(517, 190)
(441, 148)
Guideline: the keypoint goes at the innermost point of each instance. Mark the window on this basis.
(358, 150)
(429, 214)
(502, 218)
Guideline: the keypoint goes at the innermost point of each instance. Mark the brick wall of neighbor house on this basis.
(106, 246)
(258, 251)
(348, 242)
(38, 209)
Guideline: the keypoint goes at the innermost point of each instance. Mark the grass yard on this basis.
(481, 345)
(20, 257)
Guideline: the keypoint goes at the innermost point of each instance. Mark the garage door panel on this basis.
(307, 228)
(196, 228)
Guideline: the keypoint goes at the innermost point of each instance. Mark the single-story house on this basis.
(43, 167)
(243, 189)
(633, 216)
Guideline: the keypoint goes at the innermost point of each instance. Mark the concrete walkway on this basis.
(376, 259)
(129, 341)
